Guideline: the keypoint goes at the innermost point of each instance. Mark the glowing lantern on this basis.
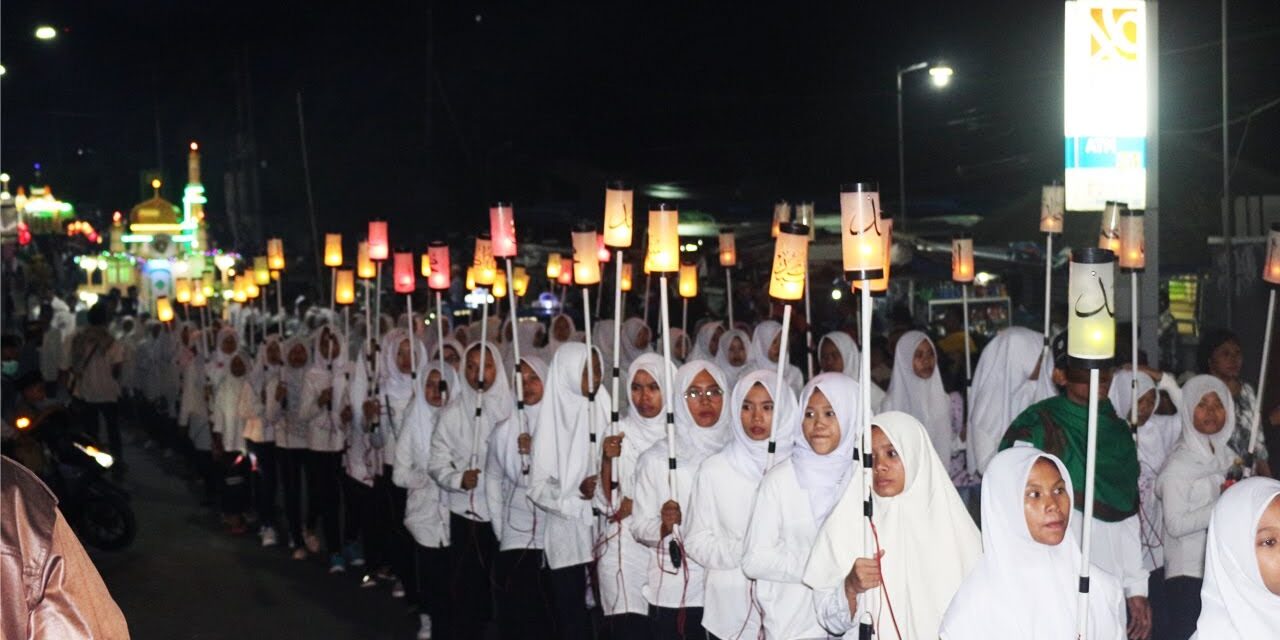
(521, 281)
(1053, 202)
(688, 283)
(861, 234)
(261, 274)
(365, 268)
(626, 276)
(1109, 234)
(1271, 272)
(275, 254)
(586, 263)
(182, 290)
(500, 284)
(728, 248)
(781, 214)
(379, 249)
(962, 258)
(403, 277)
(664, 239)
(238, 290)
(1133, 242)
(438, 252)
(164, 310)
(790, 259)
(1091, 320)
(199, 298)
(332, 250)
(206, 285)
(486, 267)
(425, 265)
(251, 290)
(344, 290)
(602, 252)
(881, 284)
(553, 266)
(471, 278)
(502, 230)
(566, 273)
(804, 216)
(618, 220)
(648, 264)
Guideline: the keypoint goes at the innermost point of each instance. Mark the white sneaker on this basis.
(397, 590)
(424, 626)
(269, 537)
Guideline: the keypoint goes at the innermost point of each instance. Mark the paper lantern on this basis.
(500, 284)
(861, 234)
(781, 214)
(553, 266)
(664, 239)
(275, 254)
(728, 248)
(586, 263)
(502, 230)
(566, 273)
(238, 290)
(486, 266)
(344, 289)
(365, 268)
(471, 278)
(617, 215)
(164, 310)
(332, 250)
(1271, 270)
(521, 281)
(275, 276)
(425, 265)
(790, 259)
(251, 290)
(881, 284)
(379, 249)
(603, 254)
(1053, 201)
(1091, 318)
(182, 290)
(648, 264)
(1133, 242)
(438, 252)
(962, 258)
(804, 215)
(199, 298)
(206, 284)
(626, 276)
(261, 273)
(1109, 234)
(403, 277)
(688, 282)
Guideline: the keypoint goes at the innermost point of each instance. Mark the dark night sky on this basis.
(541, 104)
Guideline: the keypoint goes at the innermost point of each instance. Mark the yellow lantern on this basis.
(626, 276)
(333, 250)
(471, 278)
(164, 310)
(182, 290)
(500, 284)
(251, 290)
(861, 234)
(688, 283)
(238, 290)
(586, 260)
(198, 298)
(344, 290)
(486, 267)
(648, 264)
(261, 274)
(781, 214)
(790, 259)
(617, 215)
(1133, 242)
(804, 216)
(1091, 319)
(275, 254)
(1109, 234)
(962, 258)
(728, 248)
(206, 284)
(425, 265)
(365, 268)
(1271, 271)
(553, 266)
(881, 284)
(664, 239)
(521, 281)
(1053, 201)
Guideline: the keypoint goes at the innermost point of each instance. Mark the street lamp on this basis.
(940, 76)
(46, 32)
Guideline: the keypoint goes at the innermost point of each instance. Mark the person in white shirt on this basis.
(96, 360)
(838, 353)
(723, 492)
(1006, 381)
(291, 438)
(260, 437)
(706, 345)
(1026, 583)
(702, 427)
(766, 340)
(326, 412)
(195, 404)
(1241, 594)
(636, 341)
(235, 409)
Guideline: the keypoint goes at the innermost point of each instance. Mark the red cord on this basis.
(885, 592)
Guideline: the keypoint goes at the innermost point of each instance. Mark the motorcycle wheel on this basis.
(107, 522)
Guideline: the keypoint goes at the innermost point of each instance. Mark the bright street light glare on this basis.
(45, 32)
(3, 70)
(940, 76)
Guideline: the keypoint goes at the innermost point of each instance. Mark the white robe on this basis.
(515, 518)
(924, 399)
(425, 514)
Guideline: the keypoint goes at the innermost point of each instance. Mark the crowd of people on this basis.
(490, 488)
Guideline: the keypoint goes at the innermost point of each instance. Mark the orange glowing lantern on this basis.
(1053, 201)
(566, 272)
(618, 219)
(1271, 271)
(962, 258)
(365, 268)
(198, 298)
(164, 310)
(502, 230)
(1109, 233)
(881, 284)
(500, 284)
(790, 259)
(586, 263)
(261, 272)
(553, 266)
(728, 248)
(471, 278)
(664, 239)
(521, 281)
(626, 276)
(1133, 242)
(344, 290)
(332, 250)
(861, 234)
(688, 282)
(182, 290)
(379, 249)
(440, 267)
(403, 276)
(275, 254)
(603, 254)
(486, 266)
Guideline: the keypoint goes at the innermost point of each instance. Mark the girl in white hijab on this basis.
(1189, 486)
(734, 355)
(1025, 584)
(560, 331)
(765, 342)
(260, 436)
(1242, 568)
(702, 428)
(636, 341)
(681, 345)
(929, 540)
(1005, 382)
(795, 498)
(707, 344)
(723, 492)
(838, 353)
(291, 437)
(325, 411)
(235, 406)
(452, 354)
(916, 389)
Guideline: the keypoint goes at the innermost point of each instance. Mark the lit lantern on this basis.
(804, 216)
(238, 290)
(332, 250)
(1091, 320)
(344, 290)
(379, 249)
(790, 258)
(1053, 203)
(206, 284)
(471, 278)
(861, 234)
(664, 239)
(275, 276)
(261, 273)
(199, 298)
(500, 284)
(275, 254)
(553, 266)
(1109, 234)
(403, 277)
(962, 258)
(728, 248)
(688, 283)
(586, 265)
(1271, 271)
(618, 219)
(648, 264)
(182, 290)
(440, 267)
(251, 290)
(486, 266)
(521, 281)
(602, 252)
(425, 268)
(566, 273)
(365, 269)
(781, 214)
(164, 310)
(881, 284)
(626, 276)
(502, 230)
(1133, 242)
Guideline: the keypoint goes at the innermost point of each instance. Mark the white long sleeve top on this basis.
(665, 586)
(517, 522)
(425, 514)
(715, 526)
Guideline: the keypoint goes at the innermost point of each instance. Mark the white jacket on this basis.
(666, 586)
(517, 522)
(425, 514)
(715, 525)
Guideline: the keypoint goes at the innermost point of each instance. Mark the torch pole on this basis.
(515, 346)
(333, 286)
(669, 400)
(617, 348)
(865, 628)
(1133, 382)
(777, 384)
(1262, 378)
(728, 290)
(484, 338)
(808, 325)
(590, 369)
(413, 357)
(280, 305)
(440, 338)
(1091, 465)
(1048, 285)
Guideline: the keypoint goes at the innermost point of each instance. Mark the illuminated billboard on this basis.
(1105, 122)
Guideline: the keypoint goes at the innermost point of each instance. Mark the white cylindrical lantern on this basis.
(790, 259)
(586, 260)
(275, 254)
(553, 266)
(962, 258)
(688, 281)
(618, 220)
(182, 290)
(379, 247)
(781, 214)
(1271, 271)
(1133, 242)
(344, 289)
(438, 253)
(1091, 319)
(664, 239)
(402, 275)
(728, 248)
(861, 234)
(1109, 233)
(881, 284)
(332, 250)
(626, 276)
(486, 268)
(1053, 201)
(804, 215)
(365, 268)
(164, 310)
(502, 230)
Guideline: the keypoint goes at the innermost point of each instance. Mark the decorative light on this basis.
(251, 290)
(586, 263)
(275, 254)
(1271, 272)
(603, 255)
(164, 310)
(1109, 234)
(261, 273)
(403, 277)
(206, 285)
(861, 234)
(618, 220)
(199, 298)
(728, 248)
(486, 266)
(238, 290)
(500, 284)
(438, 252)
(1091, 320)
(626, 276)
(521, 281)
(379, 248)
(962, 258)
(181, 267)
(688, 282)
(89, 263)
(881, 284)
(425, 265)
(781, 214)
(790, 259)
(344, 290)
(553, 266)
(804, 216)
(333, 250)
(182, 290)
(1053, 203)
(566, 272)
(224, 261)
(648, 264)
(1133, 242)
(365, 268)
(471, 278)
(664, 239)
(502, 230)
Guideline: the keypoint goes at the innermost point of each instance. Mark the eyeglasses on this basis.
(709, 394)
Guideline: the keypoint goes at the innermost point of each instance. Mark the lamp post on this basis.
(333, 260)
(485, 271)
(586, 273)
(728, 260)
(804, 217)
(275, 261)
(438, 280)
(940, 76)
(687, 287)
(502, 233)
(1133, 259)
(962, 272)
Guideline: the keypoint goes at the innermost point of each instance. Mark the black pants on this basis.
(523, 593)
(432, 569)
(473, 547)
(1183, 593)
(262, 482)
(1158, 595)
(110, 412)
(399, 543)
(676, 624)
(357, 502)
(235, 483)
(568, 597)
(629, 626)
(290, 468)
(324, 473)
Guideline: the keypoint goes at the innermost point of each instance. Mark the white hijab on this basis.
(1207, 454)
(702, 345)
(1021, 588)
(499, 401)
(395, 385)
(751, 456)
(695, 443)
(553, 343)
(848, 349)
(1235, 603)
(631, 329)
(563, 454)
(643, 432)
(930, 541)
(731, 371)
(677, 336)
(1121, 393)
(1002, 389)
(824, 477)
(508, 453)
(761, 341)
(923, 399)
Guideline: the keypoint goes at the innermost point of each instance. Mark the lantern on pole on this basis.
(198, 299)
(804, 215)
(164, 309)
(471, 278)
(425, 266)
(786, 283)
(861, 234)
(1271, 276)
(881, 284)
(345, 291)
(781, 214)
(261, 272)
(1109, 233)
(486, 268)
(332, 250)
(553, 266)
(586, 263)
(618, 220)
(664, 239)
(438, 253)
(626, 280)
(566, 273)
(603, 255)
(182, 290)
(962, 272)
(686, 287)
(404, 279)
(275, 254)
(379, 247)
(365, 269)
(499, 290)
(728, 260)
(521, 282)
(206, 284)
(1132, 260)
(502, 230)
(1053, 200)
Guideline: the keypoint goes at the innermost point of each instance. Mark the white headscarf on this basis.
(508, 452)
(602, 339)
(761, 341)
(549, 351)
(1033, 584)
(499, 401)
(929, 539)
(1002, 389)
(732, 371)
(563, 454)
(694, 443)
(848, 349)
(1207, 454)
(1121, 393)
(1235, 603)
(457, 348)
(750, 456)
(702, 345)
(395, 386)
(678, 335)
(642, 432)
(824, 477)
(631, 329)
(923, 399)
